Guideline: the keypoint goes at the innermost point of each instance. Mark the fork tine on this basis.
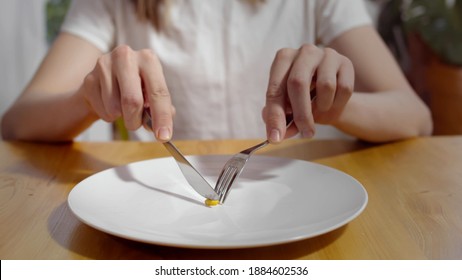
(228, 185)
(232, 171)
(219, 184)
(224, 180)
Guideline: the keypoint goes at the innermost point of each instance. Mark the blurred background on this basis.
(426, 38)
(27, 28)
(424, 35)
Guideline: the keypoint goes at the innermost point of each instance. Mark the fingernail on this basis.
(307, 133)
(275, 136)
(163, 134)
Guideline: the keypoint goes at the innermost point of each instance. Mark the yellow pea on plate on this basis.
(211, 202)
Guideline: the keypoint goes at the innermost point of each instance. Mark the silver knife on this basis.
(194, 178)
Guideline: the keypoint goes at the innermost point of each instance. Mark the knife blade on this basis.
(192, 176)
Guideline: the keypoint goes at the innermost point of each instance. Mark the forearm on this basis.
(50, 109)
(54, 118)
(385, 116)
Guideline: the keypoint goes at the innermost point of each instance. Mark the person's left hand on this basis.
(295, 75)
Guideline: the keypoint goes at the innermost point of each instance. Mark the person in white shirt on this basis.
(219, 69)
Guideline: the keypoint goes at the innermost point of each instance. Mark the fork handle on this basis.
(289, 120)
(250, 150)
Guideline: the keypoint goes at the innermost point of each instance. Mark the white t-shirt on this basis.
(216, 55)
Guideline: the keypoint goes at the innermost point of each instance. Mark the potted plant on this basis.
(426, 36)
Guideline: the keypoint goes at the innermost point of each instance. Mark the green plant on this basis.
(437, 22)
(55, 11)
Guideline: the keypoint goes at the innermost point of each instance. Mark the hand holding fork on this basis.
(234, 166)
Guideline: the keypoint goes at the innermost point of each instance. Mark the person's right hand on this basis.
(123, 83)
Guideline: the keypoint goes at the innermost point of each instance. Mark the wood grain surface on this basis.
(414, 209)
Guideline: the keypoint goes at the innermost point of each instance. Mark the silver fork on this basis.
(234, 166)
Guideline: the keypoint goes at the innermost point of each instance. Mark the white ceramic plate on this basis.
(274, 201)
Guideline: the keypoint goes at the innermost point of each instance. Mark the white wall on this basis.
(23, 45)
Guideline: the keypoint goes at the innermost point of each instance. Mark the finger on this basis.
(326, 80)
(299, 85)
(274, 111)
(344, 90)
(345, 84)
(157, 94)
(126, 72)
(109, 98)
(92, 93)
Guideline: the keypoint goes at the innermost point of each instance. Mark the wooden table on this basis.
(414, 209)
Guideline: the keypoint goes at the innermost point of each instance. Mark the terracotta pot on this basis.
(440, 86)
(444, 83)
